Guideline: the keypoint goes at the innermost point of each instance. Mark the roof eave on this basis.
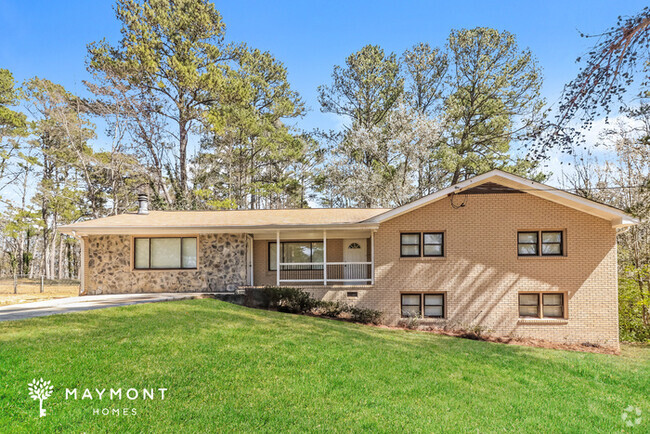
(617, 217)
(252, 229)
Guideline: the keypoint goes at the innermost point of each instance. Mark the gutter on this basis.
(252, 229)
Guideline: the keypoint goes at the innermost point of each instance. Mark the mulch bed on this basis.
(528, 342)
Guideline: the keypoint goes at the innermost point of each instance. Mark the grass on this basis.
(229, 368)
(29, 290)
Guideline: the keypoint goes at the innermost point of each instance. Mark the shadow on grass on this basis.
(203, 348)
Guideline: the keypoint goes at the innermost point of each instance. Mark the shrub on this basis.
(296, 300)
(365, 315)
(332, 309)
(292, 300)
(412, 321)
(474, 332)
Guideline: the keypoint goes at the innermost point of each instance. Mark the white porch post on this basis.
(82, 267)
(324, 258)
(251, 265)
(277, 258)
(372, 257)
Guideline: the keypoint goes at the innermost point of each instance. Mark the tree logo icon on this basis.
(631, 416)
(40, 390)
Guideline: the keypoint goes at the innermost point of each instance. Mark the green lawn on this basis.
(229, 368)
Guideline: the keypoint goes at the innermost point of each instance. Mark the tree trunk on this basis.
(182, 157)
(456, 176)
(61, 257)
(46, 253)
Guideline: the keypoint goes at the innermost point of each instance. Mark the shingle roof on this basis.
(312, 218)
(231, 219)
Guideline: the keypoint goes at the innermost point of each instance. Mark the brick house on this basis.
(499, 251)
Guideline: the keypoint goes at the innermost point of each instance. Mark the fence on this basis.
(22, 284)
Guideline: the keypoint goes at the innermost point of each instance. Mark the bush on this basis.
(474, 332)
(296, 300)
(292, 300)
(332, 309)
(365, 316)
(412, 321)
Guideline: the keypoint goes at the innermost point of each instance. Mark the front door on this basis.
(355, 250)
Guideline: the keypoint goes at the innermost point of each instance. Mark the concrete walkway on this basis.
(88, 302)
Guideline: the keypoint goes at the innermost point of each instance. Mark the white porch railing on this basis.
(323, 272)
(320, 272)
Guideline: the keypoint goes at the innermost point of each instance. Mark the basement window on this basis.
(423, 305)
(541, 305)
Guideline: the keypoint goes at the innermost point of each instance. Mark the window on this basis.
(410, 245)
(411, 305)
(414, 305)
(552, 305)
(434, 305)
(551, 243)
(529, 305)
(165, 253)
(297, 252)
(433, 244)
(527, 243)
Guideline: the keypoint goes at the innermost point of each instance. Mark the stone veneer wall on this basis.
(221, 267)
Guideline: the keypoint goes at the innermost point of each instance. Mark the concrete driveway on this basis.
(88, 302)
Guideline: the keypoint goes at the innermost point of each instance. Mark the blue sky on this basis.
(48, 38)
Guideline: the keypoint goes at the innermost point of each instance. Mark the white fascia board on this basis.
(440, 194)
(617, 217)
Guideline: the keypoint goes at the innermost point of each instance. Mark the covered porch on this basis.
(298, 257)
